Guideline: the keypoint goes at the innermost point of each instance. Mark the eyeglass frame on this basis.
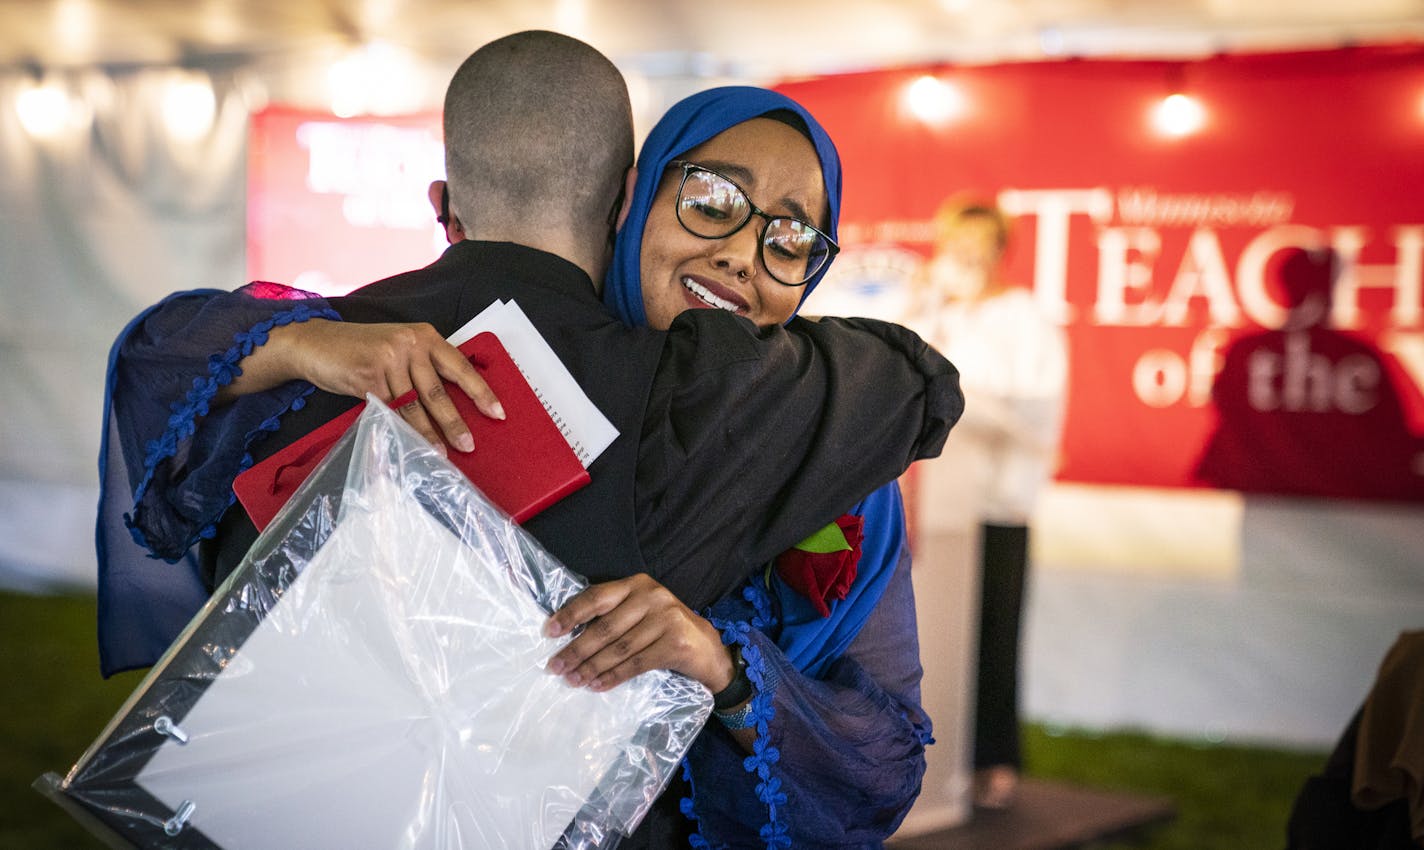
(687, 167)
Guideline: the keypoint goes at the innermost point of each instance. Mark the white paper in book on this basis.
(585, 427)
(394, 697)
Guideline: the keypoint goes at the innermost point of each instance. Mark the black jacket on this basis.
(734, 443)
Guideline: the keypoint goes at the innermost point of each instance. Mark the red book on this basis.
(522, 463)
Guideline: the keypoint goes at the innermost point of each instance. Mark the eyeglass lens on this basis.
(713, 207)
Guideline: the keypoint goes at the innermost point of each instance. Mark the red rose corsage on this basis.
(822, 567)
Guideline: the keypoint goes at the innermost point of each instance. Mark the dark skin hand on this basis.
(633, 625)
(386, 360)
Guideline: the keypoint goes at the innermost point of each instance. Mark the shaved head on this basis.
(538, 133)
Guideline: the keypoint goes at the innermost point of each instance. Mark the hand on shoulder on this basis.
(385, 360)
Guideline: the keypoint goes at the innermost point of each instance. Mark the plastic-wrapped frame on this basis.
(372, 676)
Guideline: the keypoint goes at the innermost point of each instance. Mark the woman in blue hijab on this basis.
(811, 780)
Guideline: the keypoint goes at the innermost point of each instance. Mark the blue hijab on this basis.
(690, 122)
(810, 642)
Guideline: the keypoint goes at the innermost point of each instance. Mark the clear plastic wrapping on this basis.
(372, 676)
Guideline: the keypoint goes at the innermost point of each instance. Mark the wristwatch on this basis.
(739, 690)
(739, 719)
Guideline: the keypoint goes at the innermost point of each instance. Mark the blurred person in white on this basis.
(1013, 362)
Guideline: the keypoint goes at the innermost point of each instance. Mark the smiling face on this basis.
(777, 167)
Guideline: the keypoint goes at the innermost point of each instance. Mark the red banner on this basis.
(335, 203)
(1241, 279)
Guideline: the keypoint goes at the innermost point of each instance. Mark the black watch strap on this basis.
(739, 690)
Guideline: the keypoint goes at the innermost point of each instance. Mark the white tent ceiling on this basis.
(752, 39)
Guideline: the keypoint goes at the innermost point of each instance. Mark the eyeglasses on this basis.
(713, 207)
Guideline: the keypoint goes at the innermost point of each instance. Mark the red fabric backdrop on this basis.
(1172, 260)
(335, 203)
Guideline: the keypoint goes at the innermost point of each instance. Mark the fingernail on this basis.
(574, 679)
(596, 685)
(556, 667)
(465, 443)
(497, 410)
(553, 629)
(440, 447)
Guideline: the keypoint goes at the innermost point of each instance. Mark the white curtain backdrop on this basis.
(1277, 642)
(96, 221)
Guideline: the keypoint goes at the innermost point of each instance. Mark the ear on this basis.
(439, 195)
(629, 180)
(436, 193)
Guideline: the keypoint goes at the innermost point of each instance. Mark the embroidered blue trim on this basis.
(922, 734)
(183, 421)
(694, 840)
(761, 762)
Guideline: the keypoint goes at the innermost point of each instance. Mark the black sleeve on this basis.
(754, 439)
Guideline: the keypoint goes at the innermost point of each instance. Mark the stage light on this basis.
(347, 81)
(571, 17)
(377, 79)
(934, 101)
(74, 28)
(189, 107)
(44, 109)
(1178, 115)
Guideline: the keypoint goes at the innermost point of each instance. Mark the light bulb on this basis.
(377, 79)
(933, 100)
(189, 107)
(44, 110)
(1178, 115)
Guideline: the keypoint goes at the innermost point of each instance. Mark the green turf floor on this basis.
(54, 704)
(1227, 797)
